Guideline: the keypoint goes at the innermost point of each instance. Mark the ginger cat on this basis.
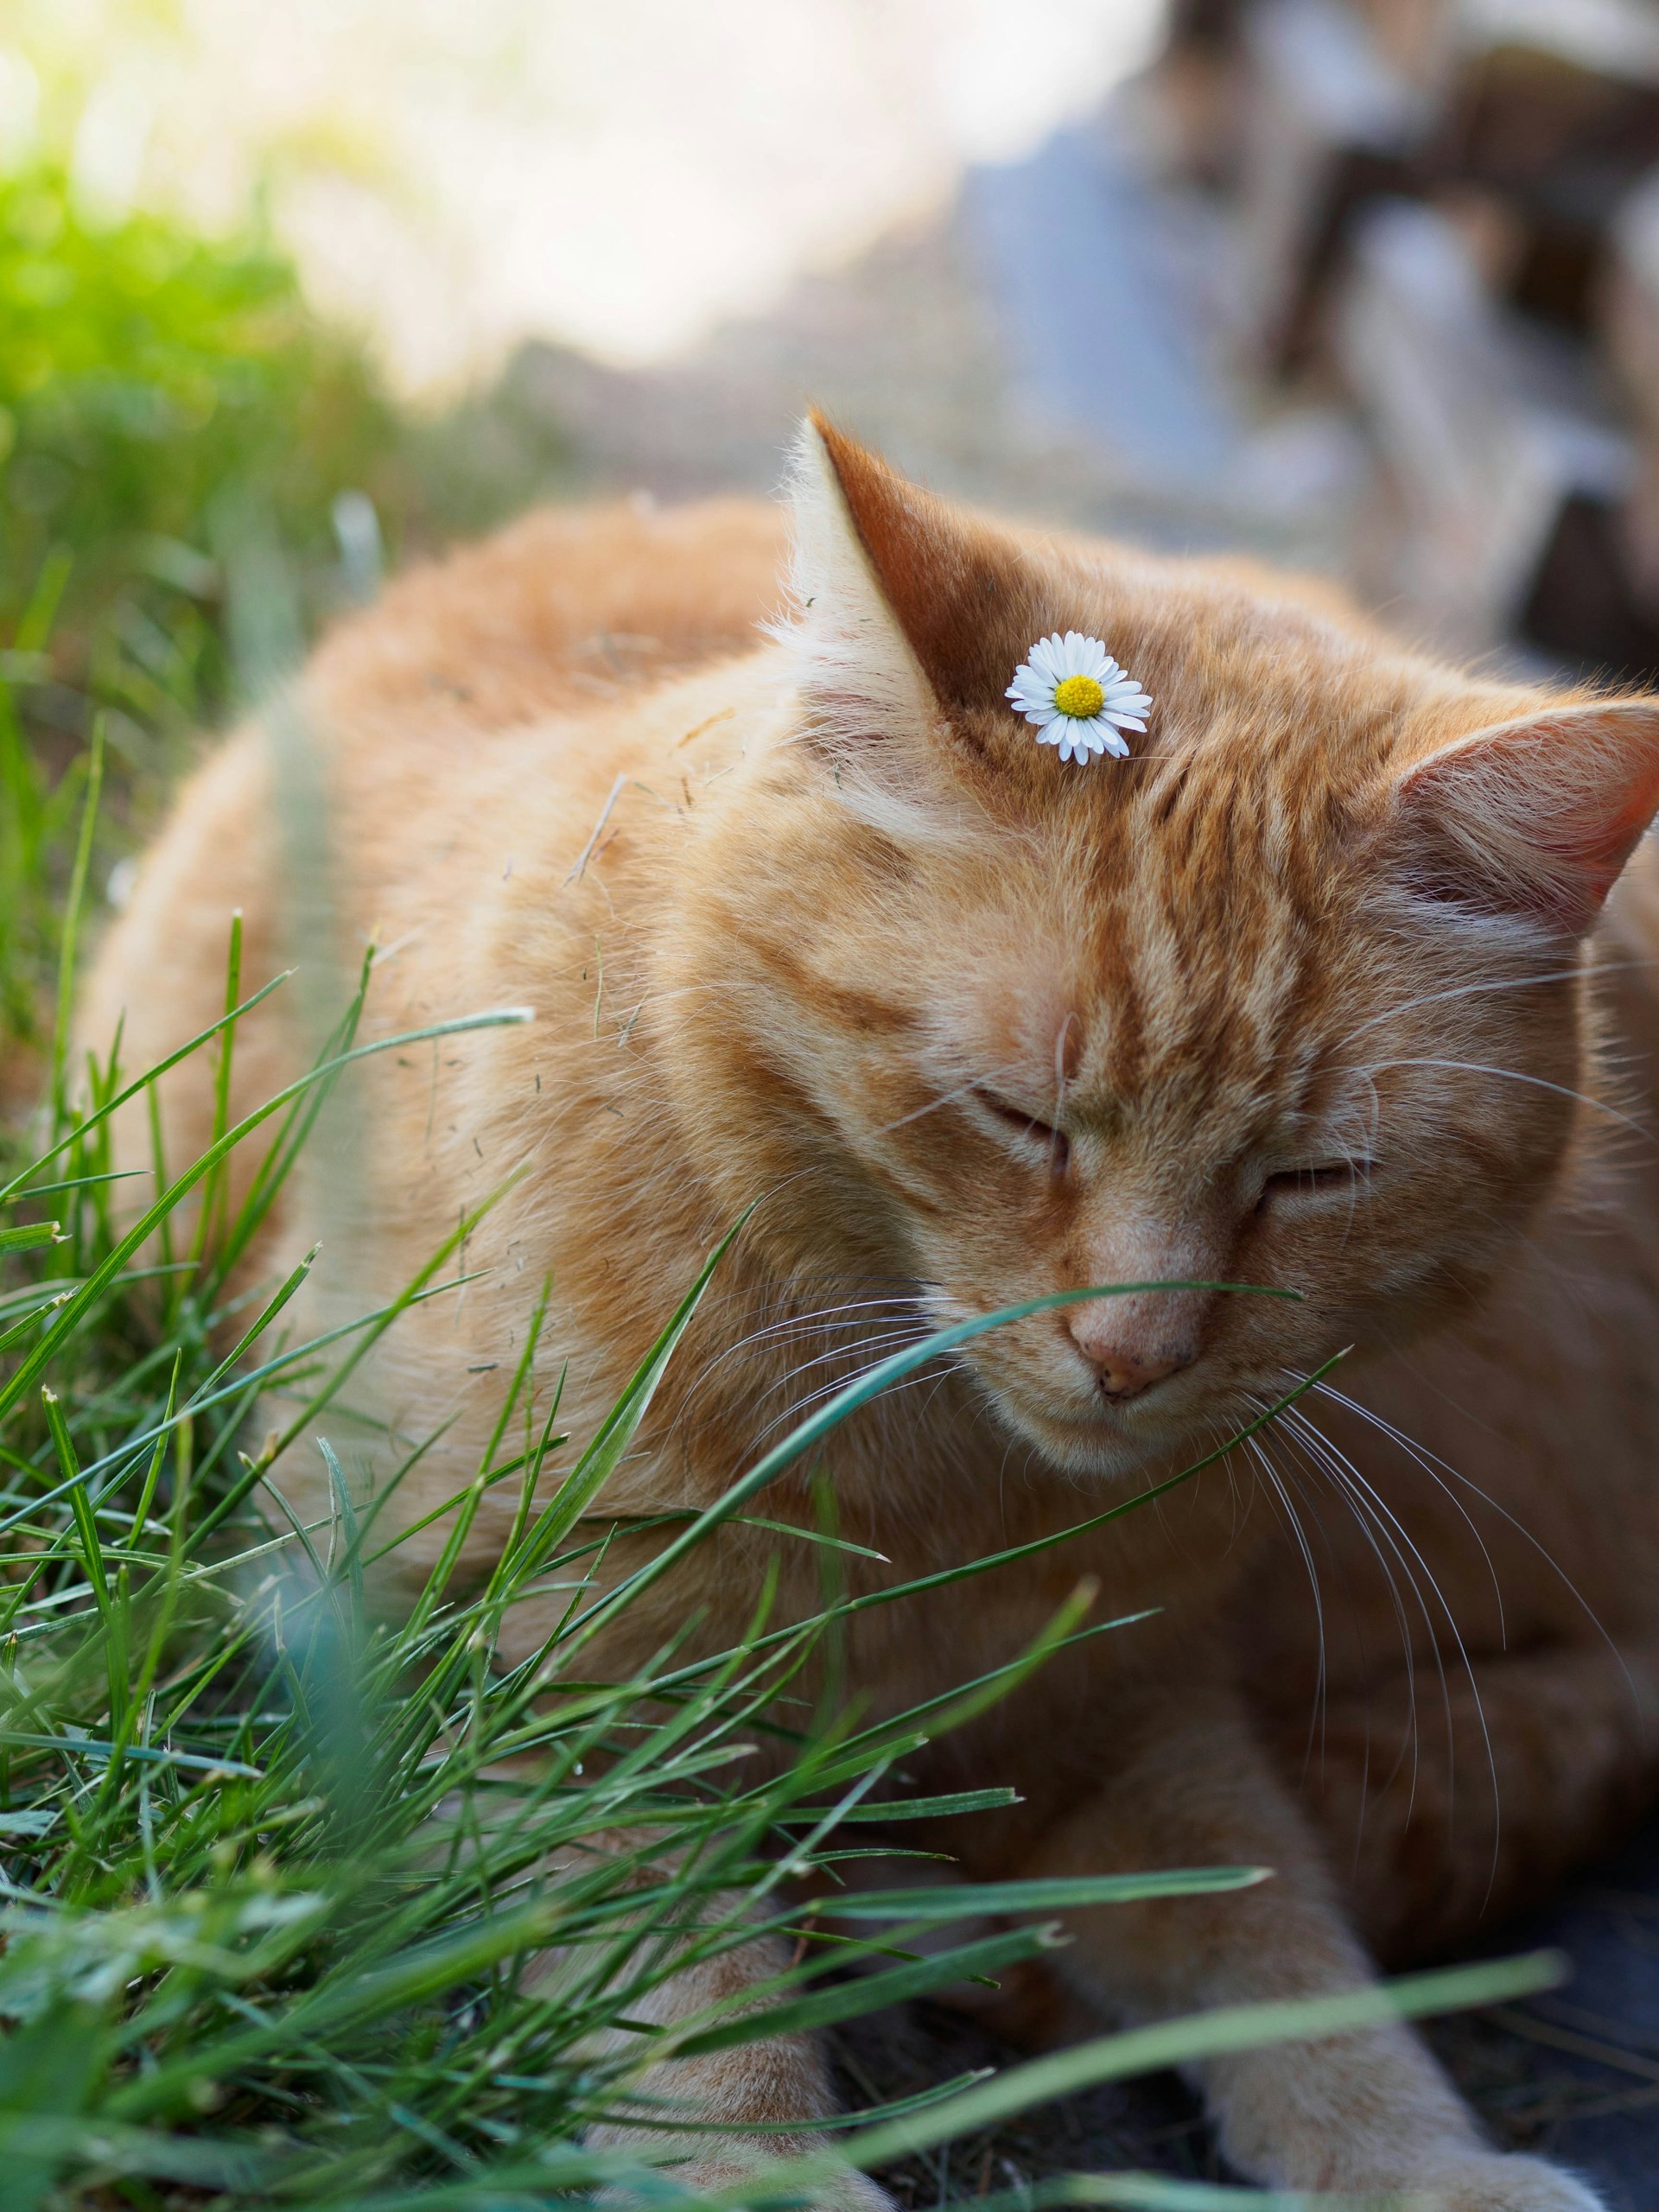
(1314, 990)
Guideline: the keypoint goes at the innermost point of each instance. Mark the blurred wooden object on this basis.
(1630, 306)
(1486, 432)
(1327, 123)
(1552, 106)
(1454, 203)
(1416, 37)
(1546, 110)
(1585, 609)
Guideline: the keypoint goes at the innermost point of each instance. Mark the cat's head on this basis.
(1291, 997)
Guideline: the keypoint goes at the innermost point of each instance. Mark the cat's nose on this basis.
(1159, 1321)
(1122, 1373)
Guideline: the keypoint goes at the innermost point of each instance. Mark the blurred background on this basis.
(1371, 285)
(291, 295)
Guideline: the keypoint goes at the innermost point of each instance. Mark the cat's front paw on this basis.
(1490, 2183)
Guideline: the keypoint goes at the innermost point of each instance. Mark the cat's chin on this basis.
(1111, 1445)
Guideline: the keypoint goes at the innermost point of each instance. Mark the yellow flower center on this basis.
(1079, 697)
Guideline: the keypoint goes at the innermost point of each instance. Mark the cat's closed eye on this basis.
(1054, 1141)
(1313, 1181)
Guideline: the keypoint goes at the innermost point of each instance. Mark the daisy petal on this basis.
(1032, 697)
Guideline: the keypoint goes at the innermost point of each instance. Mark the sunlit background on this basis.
(458, 175)
(1362, 283)
(1368, 286)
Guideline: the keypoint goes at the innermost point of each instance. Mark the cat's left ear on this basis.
(1534, 818)
(905, 607)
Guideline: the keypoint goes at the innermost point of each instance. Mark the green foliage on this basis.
(169, 412)
(165, 400)
(149, 380)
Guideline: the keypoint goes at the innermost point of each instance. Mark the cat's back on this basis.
(409, 708)
(566, 609)
(482, 709)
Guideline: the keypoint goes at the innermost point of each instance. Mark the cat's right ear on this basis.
(1533, 819)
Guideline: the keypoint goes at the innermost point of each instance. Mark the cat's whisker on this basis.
(947, 1098)
(1334, 1463)
(827, 1318)
(1518, 1075)
(1277, 1436)
(886, 1340)
(1448, 1474)
(927, 1405)
(1279, 1490)
(1342, 1469)
(1392, 1566)
(1388, 1558)
(1320, 1711)
(1309, 1491)
(1216, 1434)
(1266, 1440)
(1487, 984)
(800, 1407)
(770, 1337)
(1426, 1462)
(787, 1299)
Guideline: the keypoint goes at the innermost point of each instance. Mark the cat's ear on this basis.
(1533, 817)
(859, 671)
(900, 602)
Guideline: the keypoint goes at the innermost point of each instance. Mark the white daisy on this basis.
(1078, 696)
